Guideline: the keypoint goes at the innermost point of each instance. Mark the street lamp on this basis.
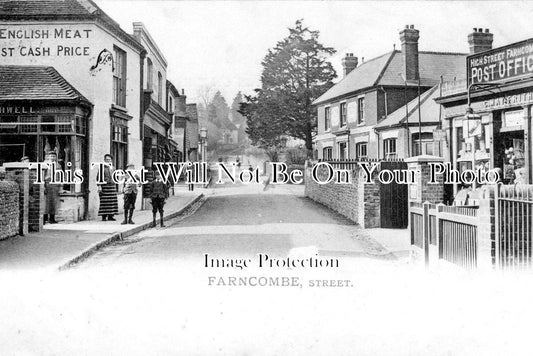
(471, 115)
(203, 141)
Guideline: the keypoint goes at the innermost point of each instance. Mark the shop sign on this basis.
(509, 101)
(472, 128)
(16, 109)
(513, 118)
(439, 135)
(501, 64)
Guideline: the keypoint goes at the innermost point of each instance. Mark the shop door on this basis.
(394, 200)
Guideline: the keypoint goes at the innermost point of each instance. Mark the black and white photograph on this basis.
(266, 177)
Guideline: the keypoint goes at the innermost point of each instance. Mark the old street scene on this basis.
(265, 178)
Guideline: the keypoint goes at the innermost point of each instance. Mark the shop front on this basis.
(32, 129)
(489, 122)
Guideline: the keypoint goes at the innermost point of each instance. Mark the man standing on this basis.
(158, 193)
(51, 191)
(130, 195)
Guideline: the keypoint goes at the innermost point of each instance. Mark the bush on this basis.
(296, 156)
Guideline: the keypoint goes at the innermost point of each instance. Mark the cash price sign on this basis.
(502, 64)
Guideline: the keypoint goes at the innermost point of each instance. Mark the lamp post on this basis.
(406, 114)
(471, 115)
(203, 142)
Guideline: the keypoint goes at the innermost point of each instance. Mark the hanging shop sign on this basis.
(501, 64)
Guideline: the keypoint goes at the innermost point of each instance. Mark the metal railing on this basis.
(514, 207)
(452, 87)
(354, 163)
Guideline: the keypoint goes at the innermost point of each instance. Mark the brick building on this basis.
(349, 111)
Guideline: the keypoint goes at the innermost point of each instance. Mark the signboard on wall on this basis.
(501, 64)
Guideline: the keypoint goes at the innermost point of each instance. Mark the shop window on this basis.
(119, 78)
(327, 153)
(343, 115)
(361, 150)
(389, 148)
(361, 110)
(34, 135)
(26, 124)
(81, 126)
(327, 118)
(9, 124)
(48, 128)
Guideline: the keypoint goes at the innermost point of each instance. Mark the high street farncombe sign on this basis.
(501, 64)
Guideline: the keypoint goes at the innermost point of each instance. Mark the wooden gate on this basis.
(394, 200)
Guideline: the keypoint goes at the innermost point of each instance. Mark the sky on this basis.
(220, 44)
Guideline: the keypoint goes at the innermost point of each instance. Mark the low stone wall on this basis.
(9, 209)
(358, 201)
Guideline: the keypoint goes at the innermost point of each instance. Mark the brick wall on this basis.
(21, 177)
(36, 203)
(9, 209)
(358, 201)
(423, 191)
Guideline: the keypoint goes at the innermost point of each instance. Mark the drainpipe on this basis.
(142, 56)
(386, 115)
(379, 140)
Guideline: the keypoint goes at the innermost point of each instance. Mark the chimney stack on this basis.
(480, 41)
(349, 63)
(409, 38)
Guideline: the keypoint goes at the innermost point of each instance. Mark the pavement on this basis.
(62, 245)
(395, 241)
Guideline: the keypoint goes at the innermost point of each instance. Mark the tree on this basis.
(237, 118)
(295, 73)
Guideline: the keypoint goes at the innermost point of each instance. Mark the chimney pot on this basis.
(480, 41)
(409, 39)
(349, 63)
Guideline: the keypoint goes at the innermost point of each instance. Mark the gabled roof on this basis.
(385, 71)
(429, 112)
(57, 10)
(36, 83)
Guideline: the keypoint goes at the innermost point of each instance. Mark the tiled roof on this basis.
(428, 113)
(363, 76)
(35, 83)
(192, 112)
(57, 10)
(42, 7)
(385, 71)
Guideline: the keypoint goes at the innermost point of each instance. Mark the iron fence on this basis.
(514, 207)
